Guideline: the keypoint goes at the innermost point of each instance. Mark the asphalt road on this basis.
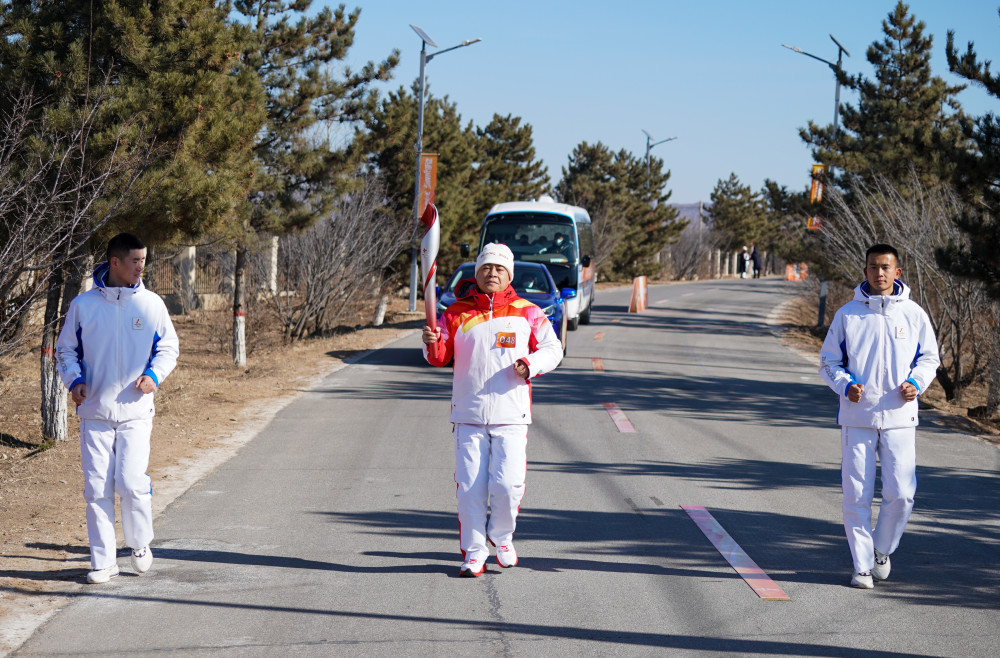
(334, 531)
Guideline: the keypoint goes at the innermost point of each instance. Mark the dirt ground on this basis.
(205, 410)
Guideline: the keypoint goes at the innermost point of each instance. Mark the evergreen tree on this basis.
(172, 76)
(738, 213)
(626, 206)
(300, 171)
(902, 115)
(293, 51)
(786, 234)
(388, 147)
(977, 176)
(507, 168)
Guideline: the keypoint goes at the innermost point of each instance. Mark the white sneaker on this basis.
(863, 580)
(506, 555)
(882, 566)
(473, 567)
(99, 576)
(142, 559)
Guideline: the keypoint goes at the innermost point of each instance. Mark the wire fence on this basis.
(214, 271)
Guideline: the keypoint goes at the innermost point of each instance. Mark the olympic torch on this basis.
(428, 261)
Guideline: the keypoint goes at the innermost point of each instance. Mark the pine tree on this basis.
(387, 145)
(630, 211)
(131, 74)
(786, 234)
(738, 213)
(172, 76)
(293, 51)
(902, 115)
(507, 168)
(977, 177)
(300, 170)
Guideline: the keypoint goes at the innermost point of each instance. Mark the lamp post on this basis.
(837, 70)
(424, 58)
(649, 145)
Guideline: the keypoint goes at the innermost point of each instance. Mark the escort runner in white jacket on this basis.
(881, 342)
(498, 342)
(111, 337)
(880, 350)
(117, 345)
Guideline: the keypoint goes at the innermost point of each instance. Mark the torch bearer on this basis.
(428, 261)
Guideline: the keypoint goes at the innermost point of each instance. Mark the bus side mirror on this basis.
(585, 261)
(464, 250)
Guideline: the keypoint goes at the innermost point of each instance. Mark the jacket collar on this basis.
(468, 290)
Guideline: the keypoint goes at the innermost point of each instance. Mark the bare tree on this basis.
(916, 222)
(326, 268)
(608, 231)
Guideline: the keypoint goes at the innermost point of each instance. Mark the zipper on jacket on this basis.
(489, 391)
(118, 351)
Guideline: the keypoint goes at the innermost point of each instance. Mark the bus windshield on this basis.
(534, 237)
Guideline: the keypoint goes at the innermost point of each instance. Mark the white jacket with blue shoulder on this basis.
(111, 337)
(880, 342)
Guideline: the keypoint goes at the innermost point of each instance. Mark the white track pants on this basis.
(490, 468)
(896, 450)
(114, 457)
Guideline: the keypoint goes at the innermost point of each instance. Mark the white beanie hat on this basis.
(498, 254)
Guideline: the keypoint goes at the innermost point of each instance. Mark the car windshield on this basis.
(526, 278)
(467, 271)
(530, 279)
(533, 237)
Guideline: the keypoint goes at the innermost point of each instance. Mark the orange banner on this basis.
(428, 180)
(816, 191)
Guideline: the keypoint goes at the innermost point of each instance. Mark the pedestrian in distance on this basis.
(879, 355)
(743, 263)
(755, 260)
(114, 350)
(498, 342)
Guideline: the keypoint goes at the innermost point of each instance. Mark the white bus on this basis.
(556, 234)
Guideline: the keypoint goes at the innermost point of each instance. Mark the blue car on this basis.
(532, 281)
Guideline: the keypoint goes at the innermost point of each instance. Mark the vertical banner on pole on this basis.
(816, 195)
(428, 181)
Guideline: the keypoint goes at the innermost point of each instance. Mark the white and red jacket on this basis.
(880, 342)
(112, 336)
(486, 335)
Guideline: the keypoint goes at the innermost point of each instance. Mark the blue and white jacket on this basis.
(880, 342)
(111, 337)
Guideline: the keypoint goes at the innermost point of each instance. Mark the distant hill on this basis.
(689, 211)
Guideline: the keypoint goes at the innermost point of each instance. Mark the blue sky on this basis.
(710, 72)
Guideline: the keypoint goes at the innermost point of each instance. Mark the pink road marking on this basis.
(754, 576)
(599, 335)
(598, 364)
(617, 415)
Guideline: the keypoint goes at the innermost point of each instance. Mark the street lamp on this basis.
(424, 58)
(649, 145)
(837, 70)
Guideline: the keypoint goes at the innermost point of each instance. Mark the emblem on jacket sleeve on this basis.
(137, 324)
